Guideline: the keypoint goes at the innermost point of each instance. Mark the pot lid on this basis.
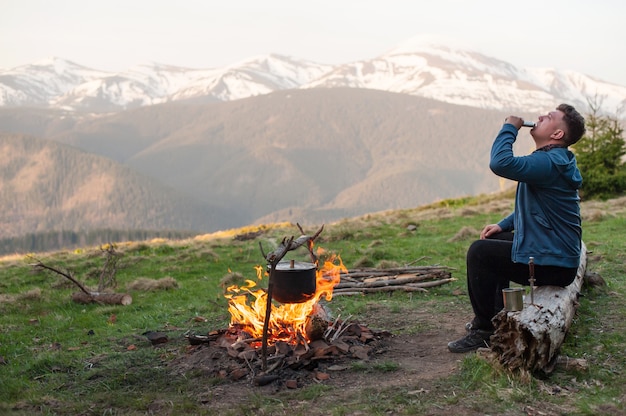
(294, 266)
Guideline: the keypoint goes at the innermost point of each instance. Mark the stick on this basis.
(268, 311)
(410, 287)
(331, 327)
(405, 288)
(347, 293)
(416, 260)
(273, 259)
(433, 283)
(387, 281)
(291, 244)
(40, 265)
(369, 272)
(342, 328)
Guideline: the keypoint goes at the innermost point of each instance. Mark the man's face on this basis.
(549, 126)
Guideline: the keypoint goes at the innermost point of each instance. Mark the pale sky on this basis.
(581, 35)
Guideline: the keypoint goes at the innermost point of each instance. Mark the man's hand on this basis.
(490, 230)
(515, 120)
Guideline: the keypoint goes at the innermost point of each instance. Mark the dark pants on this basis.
(490, 269)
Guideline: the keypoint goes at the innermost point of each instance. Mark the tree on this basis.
(600, 155)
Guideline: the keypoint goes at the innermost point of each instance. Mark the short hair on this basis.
(574, 122)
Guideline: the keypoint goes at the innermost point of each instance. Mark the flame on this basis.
(247, 304)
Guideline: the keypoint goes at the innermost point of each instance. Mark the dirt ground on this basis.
(419, 360)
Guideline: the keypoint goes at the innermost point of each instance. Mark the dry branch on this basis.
(388, 281)
(109, 269)
(67, 275)
(273, 259)
(289, 244)
(409, 287)
(86, 296)
(370, 273)
(404, 288)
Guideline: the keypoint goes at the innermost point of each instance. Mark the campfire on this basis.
(297, 318)
(290, 322)
(277, 331)
(286, 323)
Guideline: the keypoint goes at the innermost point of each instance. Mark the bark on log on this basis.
(531, 338)
(104, 298)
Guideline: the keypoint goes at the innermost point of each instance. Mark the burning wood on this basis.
(287, 321)
(248, 304)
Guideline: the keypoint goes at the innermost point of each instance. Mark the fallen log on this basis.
(104, 298)
(531, 338)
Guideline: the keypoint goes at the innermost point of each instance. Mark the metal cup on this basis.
(513, 299)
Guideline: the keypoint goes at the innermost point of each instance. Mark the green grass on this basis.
(66, 358)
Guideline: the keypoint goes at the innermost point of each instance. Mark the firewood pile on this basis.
(407, 279)
(235, 357)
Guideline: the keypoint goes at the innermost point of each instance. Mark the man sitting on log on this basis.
(545, 223)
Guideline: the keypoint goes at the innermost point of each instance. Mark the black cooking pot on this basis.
(293, 281)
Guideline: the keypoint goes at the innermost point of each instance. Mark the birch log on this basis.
(531, 338)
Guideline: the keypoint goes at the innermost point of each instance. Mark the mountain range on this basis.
(420, 66)
(270, 139)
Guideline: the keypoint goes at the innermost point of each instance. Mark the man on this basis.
(545, 223)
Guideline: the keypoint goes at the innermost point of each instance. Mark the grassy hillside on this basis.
(47, 186)
(312, 156)
(58, 357)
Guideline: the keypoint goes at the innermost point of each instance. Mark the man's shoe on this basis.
(474, 339)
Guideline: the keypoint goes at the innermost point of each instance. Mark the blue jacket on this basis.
(546, 218)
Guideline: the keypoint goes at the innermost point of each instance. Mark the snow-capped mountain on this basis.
(421, 66)
(425, 67)
(59, 83)
(256, 76)
(139, 86)
(39, 84)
